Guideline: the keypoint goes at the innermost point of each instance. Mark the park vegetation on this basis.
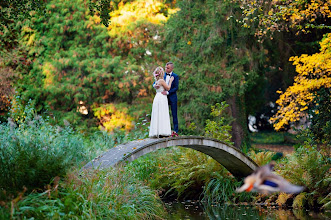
(75, 80)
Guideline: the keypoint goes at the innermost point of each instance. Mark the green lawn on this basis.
(282, 138)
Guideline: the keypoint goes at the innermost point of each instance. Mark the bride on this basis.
(160, 121)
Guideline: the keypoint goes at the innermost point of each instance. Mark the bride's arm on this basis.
(164, 84)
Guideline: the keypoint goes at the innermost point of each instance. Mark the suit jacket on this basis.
(172, 96)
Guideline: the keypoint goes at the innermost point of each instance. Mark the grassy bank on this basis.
(40, 175)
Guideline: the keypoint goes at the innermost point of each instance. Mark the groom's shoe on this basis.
(174, 134)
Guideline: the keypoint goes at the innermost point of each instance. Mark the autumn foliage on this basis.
(314, 73)
(295, 15)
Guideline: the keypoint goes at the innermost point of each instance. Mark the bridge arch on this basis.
(230, 157)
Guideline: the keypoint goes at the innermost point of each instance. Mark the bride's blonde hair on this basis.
(158, 73)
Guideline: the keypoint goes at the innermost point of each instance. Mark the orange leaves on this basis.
(314, 73)
(142, 93)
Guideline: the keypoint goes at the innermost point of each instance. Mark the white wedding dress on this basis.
(160, 121)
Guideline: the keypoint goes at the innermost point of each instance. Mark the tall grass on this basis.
(33, 152)
(221, 189)
(107, 194)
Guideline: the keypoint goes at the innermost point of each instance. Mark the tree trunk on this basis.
(239, 128)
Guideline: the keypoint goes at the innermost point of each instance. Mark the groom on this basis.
(172, 94)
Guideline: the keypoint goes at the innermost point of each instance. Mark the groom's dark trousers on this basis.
(172, 100)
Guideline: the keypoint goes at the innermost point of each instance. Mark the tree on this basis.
(18, 10)
(314, 74)
(285, 29)
(281, 15)
(216, 60)
(78, 63)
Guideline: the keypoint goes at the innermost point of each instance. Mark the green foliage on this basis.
(301, 17)
(221, 189)
(77, 62)
(274, 138)
(33, 151)
(300, 201)
(186, 173)
(261, 158)
(111, 194)
(213, 56)
(321, 117)
(310, 168)
(176, 172)
(220, 128)
(16, 10)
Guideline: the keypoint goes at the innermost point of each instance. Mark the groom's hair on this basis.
(170, 63)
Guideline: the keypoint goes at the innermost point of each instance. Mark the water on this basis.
(193, 211)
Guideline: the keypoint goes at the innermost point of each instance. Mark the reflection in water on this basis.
(192, 210)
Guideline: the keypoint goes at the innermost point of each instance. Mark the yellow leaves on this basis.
(314, 72)
(49, 71)
(297, 15)
(136, 11)
(303, 103)
(113, 117)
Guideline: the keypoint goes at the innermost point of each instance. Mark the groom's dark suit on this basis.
(172, 99)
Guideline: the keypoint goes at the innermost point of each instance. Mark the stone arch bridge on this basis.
(230, 157)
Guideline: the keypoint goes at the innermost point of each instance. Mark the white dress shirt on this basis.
(168, 78)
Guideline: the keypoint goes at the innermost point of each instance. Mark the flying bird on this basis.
(264, 181)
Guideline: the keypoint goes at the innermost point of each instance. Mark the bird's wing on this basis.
(282, 184)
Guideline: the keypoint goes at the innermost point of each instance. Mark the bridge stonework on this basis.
(230, 157)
